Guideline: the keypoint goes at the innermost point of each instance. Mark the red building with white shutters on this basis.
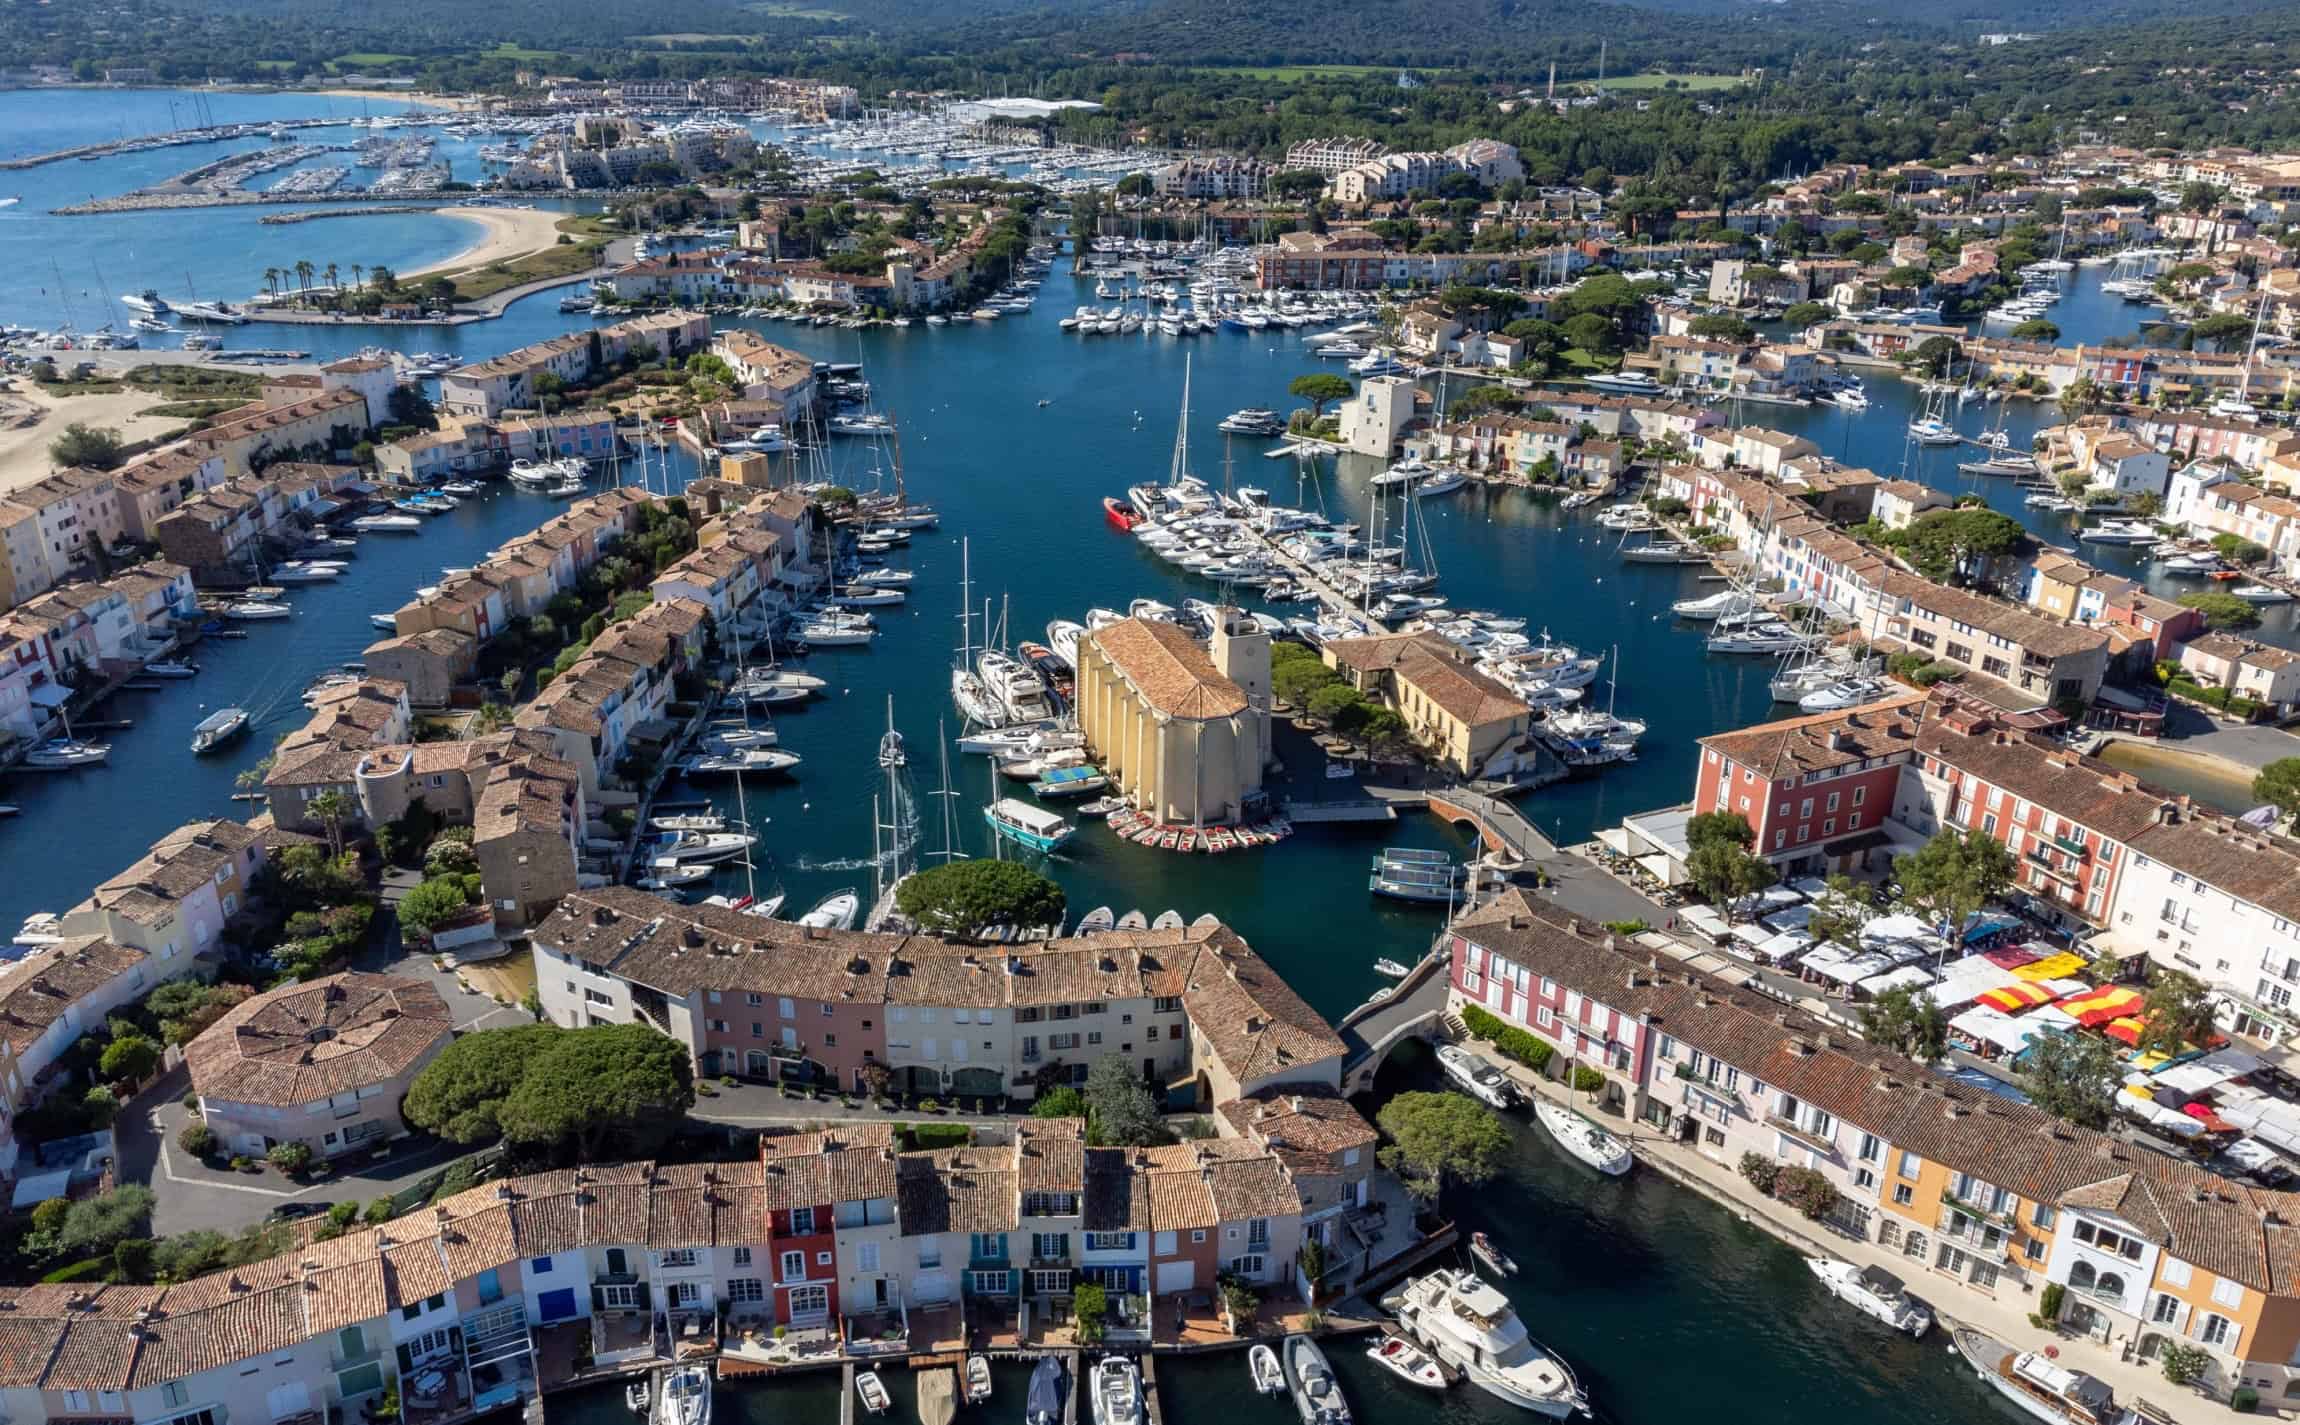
(802, 1239)
(1816, 789)
(1491, 950)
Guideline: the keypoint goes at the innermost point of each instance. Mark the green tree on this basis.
(1842, 908)
(1063, 1102)
(597, 1094)
(2036, 329)
(1935, 355)
(2278, 784)
(459, 1096)
(2176, 1015)
(92, 1226)
(1319, 389)
(433, 903)
(1804, 314)
(968, 897)
(1725, 872)
(2073, 1076)
(1719, 826)
(1441, 1138)
(96, 447)
(2221, 329)
(1120, 1107)
(130, 1058)
(1723, 326)
(2221, 610)
(1952, 877)
(1906, 1021)
(1944, 543)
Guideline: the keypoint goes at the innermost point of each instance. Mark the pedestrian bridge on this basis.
(1505, 830)
(1415, 1011)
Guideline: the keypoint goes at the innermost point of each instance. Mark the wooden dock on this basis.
(1153, 1411)
(847, 1394)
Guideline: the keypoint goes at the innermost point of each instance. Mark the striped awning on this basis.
(2012, 999)
(2093, 1008)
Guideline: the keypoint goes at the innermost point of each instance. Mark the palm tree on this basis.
(331, 810)
(356, 270)
(331, 280)
(383, 277)
(272, 280)
(303, 274)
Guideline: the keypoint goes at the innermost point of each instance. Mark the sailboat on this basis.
(974, 700)
(2234, 405)
(1932, 428)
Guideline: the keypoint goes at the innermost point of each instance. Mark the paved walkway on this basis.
(2004, 1316)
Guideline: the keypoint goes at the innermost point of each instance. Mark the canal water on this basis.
(1668, 1308)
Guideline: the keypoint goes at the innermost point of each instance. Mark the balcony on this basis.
(1952, 1204)
(1788, 1128)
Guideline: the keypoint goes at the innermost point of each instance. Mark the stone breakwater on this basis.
(153, 201)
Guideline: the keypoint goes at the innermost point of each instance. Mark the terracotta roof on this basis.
(957, 1190)
(302, 1043)
(1309, 1128)
(1793, 747)
(1168, 669)
(36, 990)
(2106, 799)
(1436, 669)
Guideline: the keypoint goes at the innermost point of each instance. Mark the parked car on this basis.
(296, 1211)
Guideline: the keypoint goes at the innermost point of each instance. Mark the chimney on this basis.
(691, 936)
(1822, 1040)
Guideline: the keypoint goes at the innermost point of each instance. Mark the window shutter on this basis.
(2180, 1322)
(643, 1301)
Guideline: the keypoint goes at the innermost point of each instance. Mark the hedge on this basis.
(1534, 1053)
(93, 1269)
(919, 1137)
(1586, 1079)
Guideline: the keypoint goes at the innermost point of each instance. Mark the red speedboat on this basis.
(1120, 513)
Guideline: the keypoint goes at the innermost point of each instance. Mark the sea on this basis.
(1015, 431)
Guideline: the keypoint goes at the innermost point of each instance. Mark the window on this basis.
(794, 1266)
(679, 1257)
(1246, 1266)
(866, 1256)
(2217, 1330)
(540, 1265)
(2176, 1273)
(929, 1253)
(989, 1283)
(1903, 1195)
(1871, 1149)
(742, 1289)
(802, 1222)
(1863, 1178)
(2228, 1293)
(2045, 1215)
(1910, 1164)
(1050, 1246)
(1109, 1241)
(2166, 1311)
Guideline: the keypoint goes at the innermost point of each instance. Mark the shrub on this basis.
(1806, 1190)
(290, 1157)
(1586, 1079)
(1627, 927)
(1534, 1053)
(1761, 1171)
(197, 1139)
(93, 1269)
(2185, 1365)
(1089, 1305)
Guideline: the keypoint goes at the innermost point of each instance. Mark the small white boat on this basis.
(253, 609)
(1096, 921)
(1391, 968)
(686, 1397)
(871, 1391)
(2261, 594)
(705, 846)
(1492, 1258)
(1873, 1292)
(977, 1379)
(670, 875)
(1117, 1392)
(1408, 1362)
(1584, 1139)
(169, 668)
(635, 1396)
(1262, 1366)
(688, 821)
(64, 754)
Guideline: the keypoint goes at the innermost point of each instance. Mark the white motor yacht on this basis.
(1712, 606)
(704, 847)
(1872, 1291)
(2040, 1386)
(1475, 1077)
(1117, 1392)
(66, 754)
(1469, 1325)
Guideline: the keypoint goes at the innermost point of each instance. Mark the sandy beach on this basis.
(436, 101)
(24, 448)
(507, 233)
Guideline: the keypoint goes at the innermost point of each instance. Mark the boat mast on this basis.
(949, 797)
(1180, 465)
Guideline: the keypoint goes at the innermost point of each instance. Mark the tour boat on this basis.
(249, 609)
(977, 1379)
(1492, 1258)
(1408, 1362)
(1043, 1402)
(665, 875)
(1117, 1392)
(1475, 1077)
(1027, 825)
(836, 912)
(218, 728)
(1317, 1395)
(1469, 1325)
(1405, 874)
(1633, 383)
(871, 1391)
(2045, 1389)
(1584, 1139)
(169, 668)
(686, 1397)
(1872, 1291)
(1262, 1366)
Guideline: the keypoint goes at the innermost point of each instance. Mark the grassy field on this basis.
(1296, 73)
(508, 50)
(570, 260)
(586, 225)
(370, 61)
(1693, 83)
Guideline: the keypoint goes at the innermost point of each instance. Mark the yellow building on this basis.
(1461, 717)
(1183, 734)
